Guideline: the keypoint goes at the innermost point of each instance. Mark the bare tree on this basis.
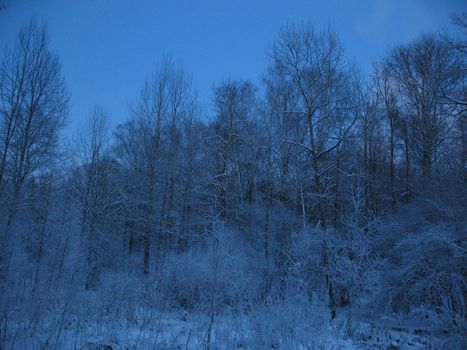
(310, 66)
(459, 99)
(34, 107)
(385, 90)
(423, 72)
(459, 21)
(151, 145)
(234, 103)
(94, 188)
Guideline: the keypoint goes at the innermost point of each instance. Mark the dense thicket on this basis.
(317, 187)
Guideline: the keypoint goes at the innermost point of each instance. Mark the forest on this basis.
(316, 209)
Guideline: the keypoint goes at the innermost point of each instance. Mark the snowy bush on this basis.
(190, 279)
(428, 276)
(354, 268)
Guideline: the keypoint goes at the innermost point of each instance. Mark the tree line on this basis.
(302, 169)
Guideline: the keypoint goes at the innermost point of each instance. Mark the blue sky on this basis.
(109, 47)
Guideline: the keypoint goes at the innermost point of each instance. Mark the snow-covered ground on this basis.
(164, 330)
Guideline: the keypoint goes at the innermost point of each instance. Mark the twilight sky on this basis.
(109, 47)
